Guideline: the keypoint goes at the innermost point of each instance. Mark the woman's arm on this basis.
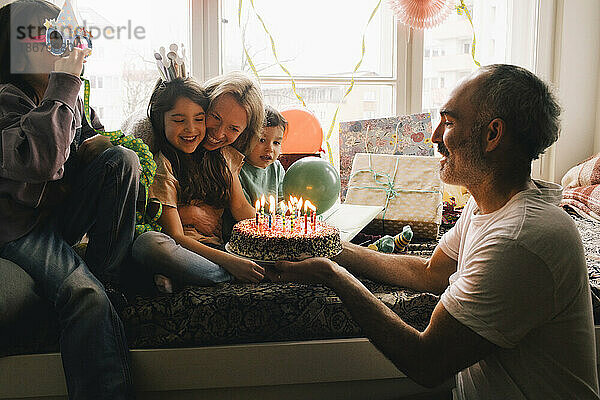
(239, 205)
(241, 269)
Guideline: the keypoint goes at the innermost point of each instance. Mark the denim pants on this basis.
(160, 254)
(92, 340)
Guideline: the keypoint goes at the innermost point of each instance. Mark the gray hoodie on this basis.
(37, 145)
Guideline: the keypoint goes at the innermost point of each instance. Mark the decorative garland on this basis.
(351, 86)
(463, 8)
(118, 138)
(460, 9)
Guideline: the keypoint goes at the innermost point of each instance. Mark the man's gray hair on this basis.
(525, 103)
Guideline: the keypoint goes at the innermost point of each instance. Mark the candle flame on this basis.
(262, 200)
(271, 204)
(308, 204)
(300, 203)
(282, 206)
(257, 205)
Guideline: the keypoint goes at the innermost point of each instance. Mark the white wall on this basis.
(576, 74)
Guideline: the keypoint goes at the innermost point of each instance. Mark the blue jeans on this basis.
(162, 255)
(92, 340)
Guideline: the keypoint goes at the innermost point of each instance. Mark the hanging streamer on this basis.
(362, 55)
(273, 50)
(330, 131)
(463, 8)
(252, 67)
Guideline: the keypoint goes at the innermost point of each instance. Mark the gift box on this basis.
(406, 134)
(408, 187)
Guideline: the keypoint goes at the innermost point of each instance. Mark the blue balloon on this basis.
(314, 179)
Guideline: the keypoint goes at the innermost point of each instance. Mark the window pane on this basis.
(122, 68)
(364, 102)
(312, 37)
(504, 33)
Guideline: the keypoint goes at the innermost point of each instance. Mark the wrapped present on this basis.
(408, 187)
(406, 134)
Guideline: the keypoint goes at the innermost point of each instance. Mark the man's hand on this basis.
(93, 147)
(312, 270)
(205, 219)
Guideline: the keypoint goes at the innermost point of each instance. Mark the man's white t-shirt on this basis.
(522, 283)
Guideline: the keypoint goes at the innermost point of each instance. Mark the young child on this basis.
(59, 180)
(190, 176)
(262, 173)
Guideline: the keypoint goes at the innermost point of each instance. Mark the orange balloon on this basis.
(304, 133)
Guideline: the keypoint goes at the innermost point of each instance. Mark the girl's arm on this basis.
(241, 269)
(239, 205)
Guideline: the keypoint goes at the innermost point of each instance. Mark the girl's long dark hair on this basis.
(202, 175)
(21, 14)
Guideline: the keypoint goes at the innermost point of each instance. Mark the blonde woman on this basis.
(198, 158)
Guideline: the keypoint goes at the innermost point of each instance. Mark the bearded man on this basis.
(514, 320)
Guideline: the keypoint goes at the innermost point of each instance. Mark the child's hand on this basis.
(205, 219)
(72, 63)
(92, 148)
(245, 270)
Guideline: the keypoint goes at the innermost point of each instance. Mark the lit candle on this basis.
(312, 209)
(257, 206)
(289, 213)
(262, 209)
(306, 217)
(271, 210)
(283, 210)
(299, 209)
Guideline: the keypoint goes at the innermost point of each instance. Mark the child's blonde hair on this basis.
(248, 94)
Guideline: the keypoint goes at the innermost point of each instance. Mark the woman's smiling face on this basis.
(185, 125)
(225, 121)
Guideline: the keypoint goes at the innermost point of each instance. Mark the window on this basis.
(320, 44)
(122, 69)
(321, 50)
(504, 33)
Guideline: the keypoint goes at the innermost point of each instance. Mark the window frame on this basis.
(408, 55)
(206, 56)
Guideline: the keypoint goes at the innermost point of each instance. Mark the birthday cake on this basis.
(281, 241)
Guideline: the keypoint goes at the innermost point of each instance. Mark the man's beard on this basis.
(472, 163)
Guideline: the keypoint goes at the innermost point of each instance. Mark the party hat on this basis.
(61, 33)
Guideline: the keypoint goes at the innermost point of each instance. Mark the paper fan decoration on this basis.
(421, 14)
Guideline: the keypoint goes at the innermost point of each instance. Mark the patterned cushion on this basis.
(242, 313)
(582, 188)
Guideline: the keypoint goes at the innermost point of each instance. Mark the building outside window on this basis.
(402, 71)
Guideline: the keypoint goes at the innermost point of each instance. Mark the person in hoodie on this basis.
(514, 320)
(58, 181)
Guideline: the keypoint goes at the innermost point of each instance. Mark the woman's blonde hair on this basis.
(248, 94)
